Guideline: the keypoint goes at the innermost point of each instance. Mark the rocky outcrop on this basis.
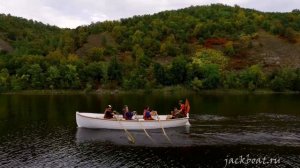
(5, 47)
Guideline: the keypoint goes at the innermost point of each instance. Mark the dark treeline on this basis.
(150, 51)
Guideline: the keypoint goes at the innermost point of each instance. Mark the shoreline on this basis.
(165, 90)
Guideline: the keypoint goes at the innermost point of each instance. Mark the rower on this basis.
(181, 112)
(147, 114)
(108, 113)
(126, 113)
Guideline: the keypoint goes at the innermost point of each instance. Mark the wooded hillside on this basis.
(200, 47)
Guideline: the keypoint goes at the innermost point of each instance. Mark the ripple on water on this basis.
(204, 143)
(207, 117)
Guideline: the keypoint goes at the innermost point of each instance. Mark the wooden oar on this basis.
(146, 131)
(164, 130)
(128, 134)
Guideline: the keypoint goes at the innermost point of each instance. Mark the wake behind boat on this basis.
(97, 121)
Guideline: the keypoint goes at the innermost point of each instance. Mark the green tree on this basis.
(229, 49)
(114, 71)
(4, 80)
(18, 83)
(95, 54)
(198, 30)
(93, 73)
(136, 80)
(210, 56)
(211, 74)
(55, 57)
(137, 37)
(196, 84)
(110, 51)
(296, 81)
(118, 32)
(287, 75)
(67, 42)
(159, 73)
(69, 77)
(53, 77)
(231, 80)
(278, 84)
(253, 77)
(138, 52)
(169, 47)
(178, 70)
(36, 75)
(80, 36)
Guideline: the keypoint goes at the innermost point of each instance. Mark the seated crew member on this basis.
(147, 114)
(126, 113)
(179, 113)
(108, 113)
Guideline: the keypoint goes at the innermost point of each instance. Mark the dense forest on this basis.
(200, 47)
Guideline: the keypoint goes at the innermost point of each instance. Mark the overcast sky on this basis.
(73, 13)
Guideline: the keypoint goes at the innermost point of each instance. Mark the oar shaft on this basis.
(129, 136)
(164, 130)
(146, 131)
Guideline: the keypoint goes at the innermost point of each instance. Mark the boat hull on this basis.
(178, 137)
(96, 121)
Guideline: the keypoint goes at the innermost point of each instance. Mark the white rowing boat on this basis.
(96, 121)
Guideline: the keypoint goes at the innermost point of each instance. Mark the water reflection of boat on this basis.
(93, 120)
(177, 137)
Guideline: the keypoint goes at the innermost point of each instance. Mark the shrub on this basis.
(196, 84)
(53, 76)
(88, 88)
(296, 82)
(4, 80)
(210, 56)
(229, 49)
(136, 80)
(95, 54)
(179, 70)
(278, 84)
(252, 76)
(159, 73)
(93, 73)
(211, 74)
(18, 83)
(231, 80)
(289, 76)
(114, 71)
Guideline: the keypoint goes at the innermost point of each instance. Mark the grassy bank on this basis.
(164, 90)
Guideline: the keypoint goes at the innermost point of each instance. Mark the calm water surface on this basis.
(41, 131)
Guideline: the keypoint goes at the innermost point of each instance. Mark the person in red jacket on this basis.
(179, 113)
(147, 114)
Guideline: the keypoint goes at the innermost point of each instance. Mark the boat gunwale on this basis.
(133, 120)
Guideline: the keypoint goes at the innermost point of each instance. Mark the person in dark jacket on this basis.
(126, 113)
(108, 113)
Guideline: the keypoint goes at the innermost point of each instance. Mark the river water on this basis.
(41, 131)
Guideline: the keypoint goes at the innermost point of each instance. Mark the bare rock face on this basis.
(272, 52)
(272, 60)
(5, 47)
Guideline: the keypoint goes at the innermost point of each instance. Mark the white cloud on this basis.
(38, 10)
(72, 13)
